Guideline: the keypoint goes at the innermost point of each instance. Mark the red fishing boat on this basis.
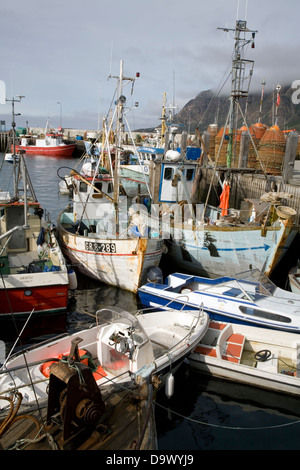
(51, 144)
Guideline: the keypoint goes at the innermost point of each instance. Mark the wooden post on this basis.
(289, 158)
(154, 180)
(205, 147)
(244, 150)
(196, 183)
(183, 144)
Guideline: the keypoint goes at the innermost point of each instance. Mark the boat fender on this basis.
(262, 355)
(169, 387)
(72, 279)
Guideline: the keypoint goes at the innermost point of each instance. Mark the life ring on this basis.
(45, 367)
(262, 355)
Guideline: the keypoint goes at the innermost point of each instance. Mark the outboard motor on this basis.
(155, 275)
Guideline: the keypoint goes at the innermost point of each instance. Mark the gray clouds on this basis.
(61, 51)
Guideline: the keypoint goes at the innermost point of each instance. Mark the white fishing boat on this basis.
(99, 235)
(119, 348)
(34, 275)
(249, 298)
(250, 355)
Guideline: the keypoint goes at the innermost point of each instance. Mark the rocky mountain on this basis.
(206, 109)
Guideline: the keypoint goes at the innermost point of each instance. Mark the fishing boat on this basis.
(102, 234)
(203, 241)
(213, 240)
(51, 145)
(294, 279)
(250, 355)
(120, 347)
(249, 298)
(34, 275)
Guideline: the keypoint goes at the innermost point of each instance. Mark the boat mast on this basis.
(163, 121)
(120, 103)
(239, 68)
(13, 125)
(119, 126)
(261, 100)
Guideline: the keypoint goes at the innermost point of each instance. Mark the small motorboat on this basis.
(11, 158)
(248, 298)
(250, 355)
(120, 347)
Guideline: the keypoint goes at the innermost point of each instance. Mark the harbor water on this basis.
(204, 413)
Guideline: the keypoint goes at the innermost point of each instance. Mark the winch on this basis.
(75, 402)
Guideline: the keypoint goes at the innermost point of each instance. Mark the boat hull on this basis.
(242, 300)
(149, 300)
(220, 251)
(39, 299)
(122, 263)
(59, 151)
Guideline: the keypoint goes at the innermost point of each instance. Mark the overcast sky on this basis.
(64, 50)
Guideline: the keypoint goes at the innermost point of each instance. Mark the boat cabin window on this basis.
(110, 188)
(82, 187)
(98, 185)
(189, 174)
(262, 314)
(168, 173)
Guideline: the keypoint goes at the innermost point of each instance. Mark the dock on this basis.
(127, 423)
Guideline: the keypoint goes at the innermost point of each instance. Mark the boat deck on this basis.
(127, 415)
(239, 349)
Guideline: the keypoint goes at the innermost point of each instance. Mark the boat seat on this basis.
(233, 348)
(216, 325)
(206, 350)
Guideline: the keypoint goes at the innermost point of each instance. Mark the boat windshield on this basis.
(258, 279)
(110, 316)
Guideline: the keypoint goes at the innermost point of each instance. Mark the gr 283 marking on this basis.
(101, 247)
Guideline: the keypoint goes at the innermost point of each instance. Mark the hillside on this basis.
(204, 108)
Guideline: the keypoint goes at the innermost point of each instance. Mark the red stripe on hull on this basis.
(42, 299)
(66, 151)
(98, 253)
